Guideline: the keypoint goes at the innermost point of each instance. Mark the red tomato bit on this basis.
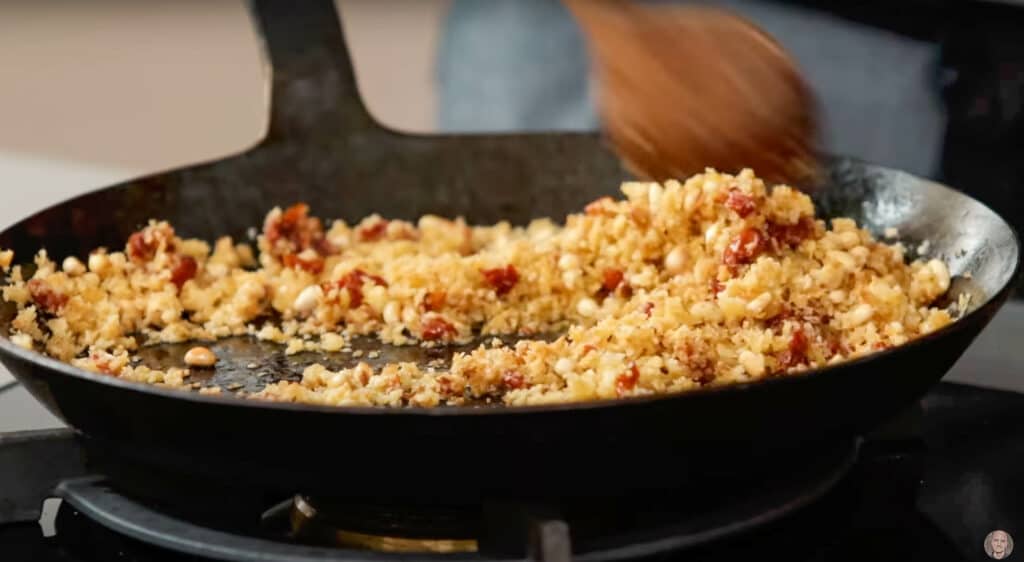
(502, 279)
(437, 328)
(627, 381)
(185, 268)
(512, 379)
(45, 296)
(740, 202)
(744, 248)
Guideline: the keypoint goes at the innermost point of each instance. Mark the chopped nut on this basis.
(6, 257)
(753, 363)
(200, 357)
(564, 366)
(568, 261)
(586, 307)
(332, 342)
(308, 299)
(675, 261)
(22, 340)
(73, 266)
(99, 262)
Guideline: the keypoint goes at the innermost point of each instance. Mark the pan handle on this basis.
(311, 77)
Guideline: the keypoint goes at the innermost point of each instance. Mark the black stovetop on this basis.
(930, 486)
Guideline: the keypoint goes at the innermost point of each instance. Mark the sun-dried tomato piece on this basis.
(513, 379)
(437, 328)
(45, 296)
(353, 283)
(313, 264)
(279, 227)
(102, 362)
(798, 343)
(185, 268)
(744, 247)
(699, 360)
(706, 377)
(627, 381)
(740, 202)
(502, 279)
(611, 279)
(143, 245)
(445, 383)
(294, 231)
(796, 353)
(373, 232)
(716, 286)
(376, 229)
(355, 294)
(434, 300)
(775, 322)
(139, 249)
(790, 235)
(324, 247)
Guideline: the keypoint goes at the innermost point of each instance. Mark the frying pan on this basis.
(322, 147)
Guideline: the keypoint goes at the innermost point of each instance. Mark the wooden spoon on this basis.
(683, 88)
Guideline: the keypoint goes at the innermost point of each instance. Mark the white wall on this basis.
(95, 92)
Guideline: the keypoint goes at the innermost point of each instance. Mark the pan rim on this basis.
(995, 300)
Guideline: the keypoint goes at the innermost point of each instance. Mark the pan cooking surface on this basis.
(246, 364)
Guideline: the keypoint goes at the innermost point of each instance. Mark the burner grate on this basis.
(503, 531)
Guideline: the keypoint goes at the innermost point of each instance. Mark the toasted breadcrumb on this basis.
(681, 285)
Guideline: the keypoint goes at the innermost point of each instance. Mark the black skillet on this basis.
(322, 147)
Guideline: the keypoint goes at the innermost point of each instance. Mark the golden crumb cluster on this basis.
(712, 281)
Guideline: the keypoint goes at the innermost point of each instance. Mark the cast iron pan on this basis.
(323, 148)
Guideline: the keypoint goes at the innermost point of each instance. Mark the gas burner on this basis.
(601, 529)
(383, 529)
(902, 498)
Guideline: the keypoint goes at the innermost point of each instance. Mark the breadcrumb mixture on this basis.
(713, 281)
